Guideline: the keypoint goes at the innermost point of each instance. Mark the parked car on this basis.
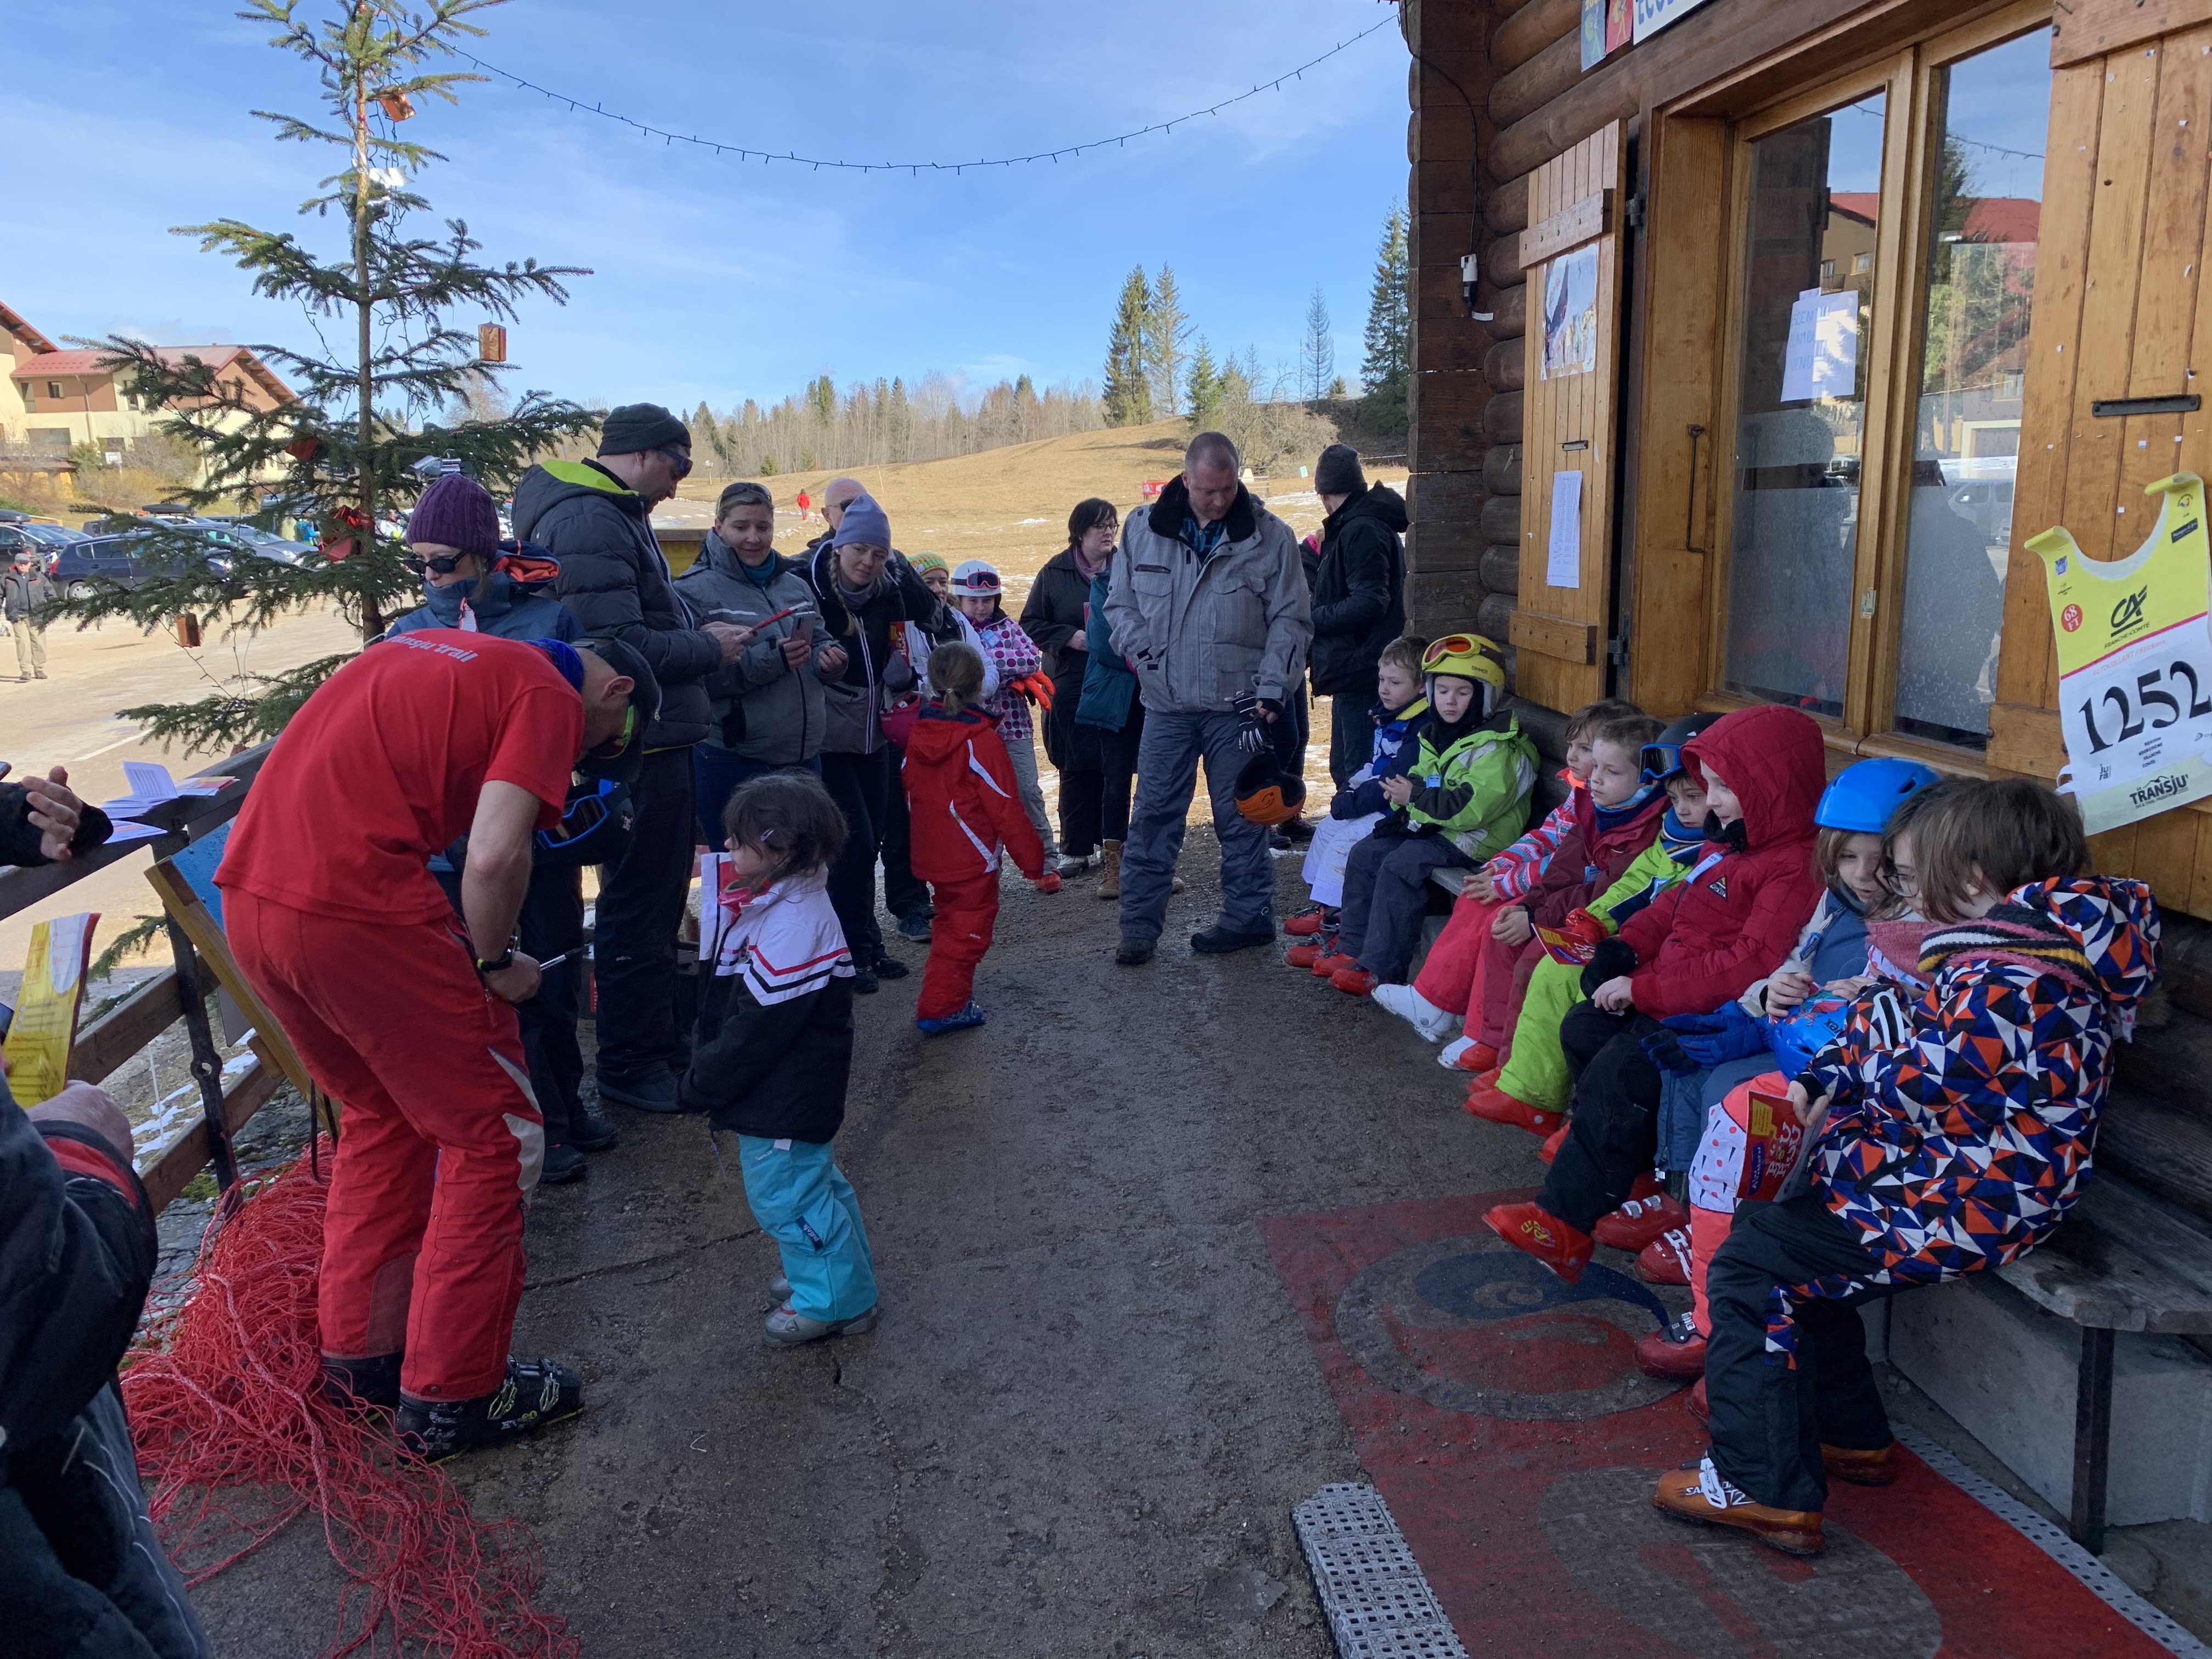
(132, 557)
(27, 534)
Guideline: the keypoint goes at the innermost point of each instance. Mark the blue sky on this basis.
(721, 280)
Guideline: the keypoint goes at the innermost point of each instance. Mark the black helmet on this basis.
(1662, 759)
(1267, 794)
(623, 758)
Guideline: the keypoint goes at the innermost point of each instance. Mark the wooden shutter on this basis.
(1572, 252)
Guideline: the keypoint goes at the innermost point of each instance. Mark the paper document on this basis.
(1822, 358)
(1563, 562)
(151, 786)
(1571, 952)
(43, 1030)
(125, 831)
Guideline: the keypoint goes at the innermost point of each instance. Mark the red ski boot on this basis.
(1307, 953)
(1325, 965)
(1666, 1259)
(1354, 981)
(1493, 1105)
(1639, 1221)
(1675, 1350)
(1564, 1249)
(1553, 1141)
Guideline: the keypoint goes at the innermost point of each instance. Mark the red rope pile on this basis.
(235, 1440)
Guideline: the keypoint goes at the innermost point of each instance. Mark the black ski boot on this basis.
(537, 1392)
(373, 1381)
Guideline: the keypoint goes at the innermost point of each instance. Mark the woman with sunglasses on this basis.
(474, 582)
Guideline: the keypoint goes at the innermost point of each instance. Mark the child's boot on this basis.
(1641, 1220)
(1468, 1054)
(1877, 1467)
(1416, 1010)
(1666, 1259)
(1493, 1105)
(1307, 920)
(1674, 1350)
(965, 1019)
(1527, 1227)
(1109, 870)
(1698, 1494)
(1701, 1405)
(1306, 952)
(1325, 965)
(1553, 1141)
(789, 1329)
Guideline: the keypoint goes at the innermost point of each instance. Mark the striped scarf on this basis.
(2011, 934)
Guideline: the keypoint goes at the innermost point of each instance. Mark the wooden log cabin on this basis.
(1981, 228)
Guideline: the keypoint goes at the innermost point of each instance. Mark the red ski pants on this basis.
(967, 909)
(1468, 972)
(441, 1139)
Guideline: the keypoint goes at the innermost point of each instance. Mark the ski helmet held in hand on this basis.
(1863, 794)
(1265, 793)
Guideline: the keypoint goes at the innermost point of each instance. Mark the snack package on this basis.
(1561, 948)
(1775, 1142)
(44, 1028)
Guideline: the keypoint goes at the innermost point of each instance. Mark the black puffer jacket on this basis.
(1359, 592)
(85, 1573)
(616, 580)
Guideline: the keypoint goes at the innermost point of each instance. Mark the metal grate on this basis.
(1378, 1602)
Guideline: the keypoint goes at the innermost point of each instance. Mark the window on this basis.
(30, 395)
(1868, 499)
(54, 389)
(1989, 114)
(1815, 199)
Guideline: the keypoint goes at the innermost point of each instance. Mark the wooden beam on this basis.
(1585, 222)
(1531, 29)
(1501, 469)
(1538, 81)
(2082, 29)
(1500, 569)
(173, 1166)
(148, 1009)
(1505, 209)
(1502, 265)
(200, 927)
(1554, 636)
(1505, 366)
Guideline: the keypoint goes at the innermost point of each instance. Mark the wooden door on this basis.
(1572, 252)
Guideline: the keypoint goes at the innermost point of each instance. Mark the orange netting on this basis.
(236, 1440)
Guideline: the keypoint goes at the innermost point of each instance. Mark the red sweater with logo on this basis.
(1703, 941)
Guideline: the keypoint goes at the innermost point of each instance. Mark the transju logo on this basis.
(2128, 614)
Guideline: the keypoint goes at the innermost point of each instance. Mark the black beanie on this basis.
(637, 426)
(1337, 472)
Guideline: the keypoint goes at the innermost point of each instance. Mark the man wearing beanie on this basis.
(595, 517)
(1359, 600)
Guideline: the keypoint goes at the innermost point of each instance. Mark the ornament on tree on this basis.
(341, 536)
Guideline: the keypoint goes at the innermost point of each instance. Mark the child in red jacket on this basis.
(1700, 943)
(964, 802)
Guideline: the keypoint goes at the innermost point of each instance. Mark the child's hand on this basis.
(1616, 995)
(1512, 927)
(1478, 885)
(1851, 987)
(1804, 1106)
(1398, 790)
(1785, 991)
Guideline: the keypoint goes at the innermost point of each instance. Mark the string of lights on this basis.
(749, 152)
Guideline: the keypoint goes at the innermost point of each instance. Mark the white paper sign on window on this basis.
(1821, 359)
(1563, 560)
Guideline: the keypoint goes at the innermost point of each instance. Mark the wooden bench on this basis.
(2121, 1261)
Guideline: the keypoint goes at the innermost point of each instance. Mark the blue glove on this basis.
(1668, 1054)
(1726, 1034)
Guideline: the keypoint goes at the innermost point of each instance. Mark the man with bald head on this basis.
(1208, 603)
(403, 1013)
(837, 495)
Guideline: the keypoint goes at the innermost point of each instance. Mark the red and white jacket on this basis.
(963, 800)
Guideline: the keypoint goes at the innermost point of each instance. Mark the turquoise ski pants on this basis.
(803, 1201)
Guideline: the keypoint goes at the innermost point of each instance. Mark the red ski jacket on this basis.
(1703, 941)
(1591, 857)
(963, 798)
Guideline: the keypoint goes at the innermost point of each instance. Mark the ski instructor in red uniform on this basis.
(402, 1011)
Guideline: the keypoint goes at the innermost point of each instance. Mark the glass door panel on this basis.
(1810, 254)
(1991, 116)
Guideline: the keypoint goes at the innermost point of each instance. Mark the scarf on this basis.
(1681, 842)
(2011, 934)
(1852, 904)
(1611, 817)
(1090, 571)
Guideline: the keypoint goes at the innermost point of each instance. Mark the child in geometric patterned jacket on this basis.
(1953, 1131)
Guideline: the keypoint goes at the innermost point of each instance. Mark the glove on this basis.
(1667, 1053)
(1584, 928)
(1252, 738)
(1726, 1034)
(1036, 686)
(1614, 958)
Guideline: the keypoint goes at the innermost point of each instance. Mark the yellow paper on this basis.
(45, 1027)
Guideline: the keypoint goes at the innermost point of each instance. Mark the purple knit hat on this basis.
(456, 512)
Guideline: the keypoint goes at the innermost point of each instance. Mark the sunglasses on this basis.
(445, 564)
(676, 458)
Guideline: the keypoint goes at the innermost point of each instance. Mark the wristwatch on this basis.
(498, 964)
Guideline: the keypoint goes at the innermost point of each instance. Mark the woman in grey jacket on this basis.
(767, 709)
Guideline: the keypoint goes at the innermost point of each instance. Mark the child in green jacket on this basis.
(1464, 796)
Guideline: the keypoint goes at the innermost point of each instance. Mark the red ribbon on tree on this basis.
(342, 535)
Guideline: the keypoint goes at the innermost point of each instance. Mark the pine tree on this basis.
(1128, 394)
(1317, 349)
(1166, 329)
(1389, 331)
(902, 421)
(1203, 386)
(341, 455)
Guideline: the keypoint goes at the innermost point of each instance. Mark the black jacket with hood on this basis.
(873, 667)
(616, 582)
(1359, 592)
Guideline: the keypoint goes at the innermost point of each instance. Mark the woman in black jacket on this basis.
(1054, 616)
(1358, 600)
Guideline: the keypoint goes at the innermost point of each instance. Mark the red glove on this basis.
(1584, 928)
(1037, 686)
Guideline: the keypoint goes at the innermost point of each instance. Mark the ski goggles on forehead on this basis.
(1662, 760)
(1452, 645)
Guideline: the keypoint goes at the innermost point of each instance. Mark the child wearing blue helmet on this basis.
(1776, 1027)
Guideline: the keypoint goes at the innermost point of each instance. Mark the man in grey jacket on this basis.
(1208, 603)
(596, 517)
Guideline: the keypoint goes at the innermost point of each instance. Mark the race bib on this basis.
(2134, 663)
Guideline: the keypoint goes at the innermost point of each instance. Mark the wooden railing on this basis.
(178, 992)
